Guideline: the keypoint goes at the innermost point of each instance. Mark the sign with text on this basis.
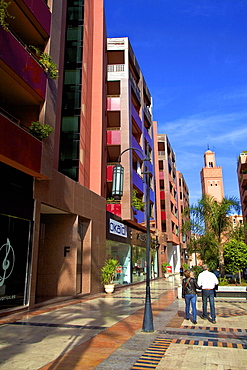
(117, 228)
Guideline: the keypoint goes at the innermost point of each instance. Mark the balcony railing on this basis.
(114, 137)
(135, 87)
(163, 215)
(136, 117)
(109, 172)
(162, 195)
(137, 181)
(14, 55)
(41, 12)
(113, 104)
(115, 68)
(152, 195)
(148, 115)
(148, 138)
(19, 148)
(136, 145)
(139, 216)
(115, 208)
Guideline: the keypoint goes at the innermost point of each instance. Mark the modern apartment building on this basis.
(242, 182)
(169, 200)
(129, 125)
(52, 198)
(183, 203)
(211, 177)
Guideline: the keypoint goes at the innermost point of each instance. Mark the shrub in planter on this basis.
(46, 62)
(164, 266)
(108, 272)
(40, 131)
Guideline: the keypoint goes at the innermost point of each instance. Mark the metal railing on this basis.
(115, 68)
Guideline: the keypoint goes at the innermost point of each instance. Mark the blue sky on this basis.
(193, 54)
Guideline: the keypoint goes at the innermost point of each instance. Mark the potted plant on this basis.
(137, 203)
(164, 269)
(46, 62)
(4, 14)
(107, 274)
(40, 131)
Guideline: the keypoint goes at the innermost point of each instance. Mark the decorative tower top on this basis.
(209, 159)
(211, 177)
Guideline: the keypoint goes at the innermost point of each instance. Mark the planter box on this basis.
(232, 292)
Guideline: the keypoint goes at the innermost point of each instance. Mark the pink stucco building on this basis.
(129, 125)
(52, 199)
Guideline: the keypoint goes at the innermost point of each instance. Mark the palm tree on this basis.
(209, 224)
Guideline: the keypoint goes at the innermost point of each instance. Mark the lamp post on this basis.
(117, 192)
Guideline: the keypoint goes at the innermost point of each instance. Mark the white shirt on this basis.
(207, 280)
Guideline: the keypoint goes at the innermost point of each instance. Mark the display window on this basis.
(139, 265)
(120, 252)
(14, 261)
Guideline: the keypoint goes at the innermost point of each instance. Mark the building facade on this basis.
(242, 182)
(211, 177)
(129, 125)
(169, 200)
(52, 199)
(183, 203)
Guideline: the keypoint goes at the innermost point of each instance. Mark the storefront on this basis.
(139, 256)
(118, 246)
(128, 246)
(16, 200)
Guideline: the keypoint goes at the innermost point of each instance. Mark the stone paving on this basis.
(105, 332)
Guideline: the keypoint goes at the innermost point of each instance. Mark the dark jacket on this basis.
(189, 286)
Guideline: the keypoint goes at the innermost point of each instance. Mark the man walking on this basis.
(207, 281)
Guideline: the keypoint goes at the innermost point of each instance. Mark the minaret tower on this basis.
(211, 177)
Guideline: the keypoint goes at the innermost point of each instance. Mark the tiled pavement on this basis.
(104, 333)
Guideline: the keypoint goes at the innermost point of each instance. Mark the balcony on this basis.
(242, 160)
(40, 12)
(109, 172)
(136, 117)
(136, 145)
(135, 87)
(148, 138)
(113, 103)
(244, 195)
(116, 71)
(147, 92)
(243, 180)
(152, 195)
(137, 181)
(20, 149)
(139, 216)
(161, 175)
(162, 195)
(115, 208)
(163, 215)
(148, 115)
(113, 137)
(19, 65)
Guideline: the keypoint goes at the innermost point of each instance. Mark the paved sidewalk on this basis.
(105, 333)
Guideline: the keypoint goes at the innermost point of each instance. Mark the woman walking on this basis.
(189, 286)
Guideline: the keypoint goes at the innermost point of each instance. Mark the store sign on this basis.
(117, 228)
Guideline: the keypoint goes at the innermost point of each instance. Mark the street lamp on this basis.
(117, 192)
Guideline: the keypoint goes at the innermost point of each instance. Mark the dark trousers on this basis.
(208, 295)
